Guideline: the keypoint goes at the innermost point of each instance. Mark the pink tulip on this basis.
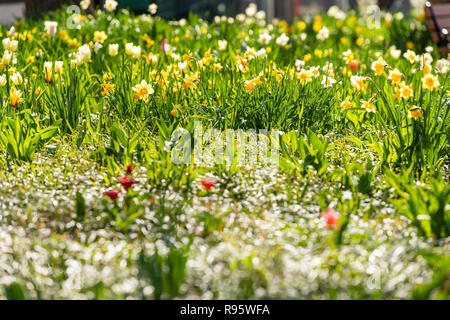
(331, 219)
(208, 183)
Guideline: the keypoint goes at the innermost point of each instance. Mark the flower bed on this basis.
(240, 158)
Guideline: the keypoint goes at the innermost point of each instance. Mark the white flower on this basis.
(84, 53)
(16, 78)
(282, 40)
(222, 44)
(427, 58)
(336, 13)
(129, 48)
(442, 66)
(388, 16)
(182, 65)
(240, 17)
(410, 56)
(323, 33)
(299, 63)
(261, 15)
(315, 71)
(261, 53)
(10, 45)
(251, 9)
(113, 49)
(264, 38)
(13, 45)
(429, 49)
(2, 80)
(5, 43)
(174, 56)
(7, 56)
(399, 15)
(97, 46)
(85, 4)
(328, 68)
(110, 5)
(167, 145)
(327, 81)
(11, 32)
(346, 195)
(59, 66)
(50, 27)
(153, 57)
(153, 8)
(136, 52)
(73, 63)
(395, 53)
(168, 48)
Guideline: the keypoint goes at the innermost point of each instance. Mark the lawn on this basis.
(236, 158)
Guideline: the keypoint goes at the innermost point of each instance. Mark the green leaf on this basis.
(14, 291)
(80, 206)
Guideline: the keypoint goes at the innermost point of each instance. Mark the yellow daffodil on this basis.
(100, 36)
(73, 43)
(107, 88)
(430, 82)
(348, 56)
(378, 66)
(189, 82)
(142, 90)
(406, 91)
(30, 59)
(395, 76)
(63, 35)
(368, 105)
(414, 112)
(250, 85)
(359, 83)
(241, 64)
(360, 41)
(346, 104)
(305, 76)
(426, 69)
(410, 56)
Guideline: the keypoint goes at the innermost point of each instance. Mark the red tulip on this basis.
(353, 65)
(208, 183)
(129, 169)
(112, 194)
(331, 219)
(126, 182)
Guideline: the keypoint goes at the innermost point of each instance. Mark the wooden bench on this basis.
(438, 22)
